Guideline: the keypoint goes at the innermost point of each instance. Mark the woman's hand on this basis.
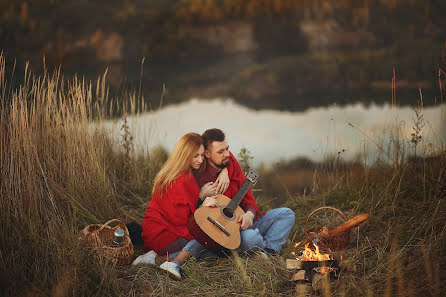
(222, 181)
(208, 189)
(211, 202)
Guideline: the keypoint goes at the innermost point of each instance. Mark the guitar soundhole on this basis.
(228, 212)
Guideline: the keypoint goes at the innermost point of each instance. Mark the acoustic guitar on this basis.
(216, 228)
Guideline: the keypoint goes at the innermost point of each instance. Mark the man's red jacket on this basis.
(237, 178)
(167, 214)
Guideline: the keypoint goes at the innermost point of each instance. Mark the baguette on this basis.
(350, 223)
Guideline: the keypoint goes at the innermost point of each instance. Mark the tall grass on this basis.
(57, 175)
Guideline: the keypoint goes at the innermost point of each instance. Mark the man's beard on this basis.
(222, 165)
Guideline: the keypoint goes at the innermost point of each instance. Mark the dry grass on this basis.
(400, 250)
(58, 175)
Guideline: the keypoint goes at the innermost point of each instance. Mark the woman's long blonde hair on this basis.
(178, 162)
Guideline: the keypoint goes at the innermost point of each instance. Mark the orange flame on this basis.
(310, 255)
(324, 270)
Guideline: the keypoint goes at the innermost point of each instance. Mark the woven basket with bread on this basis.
(333, 238)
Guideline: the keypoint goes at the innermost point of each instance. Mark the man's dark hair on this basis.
(212, 135)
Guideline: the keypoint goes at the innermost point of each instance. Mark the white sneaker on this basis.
(173, 268)
(147, 258)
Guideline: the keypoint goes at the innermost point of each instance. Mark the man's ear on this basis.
(207, 154)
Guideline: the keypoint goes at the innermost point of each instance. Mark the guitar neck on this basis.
(238, 197)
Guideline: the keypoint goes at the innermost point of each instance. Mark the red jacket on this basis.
(236, 178)
(167, 214)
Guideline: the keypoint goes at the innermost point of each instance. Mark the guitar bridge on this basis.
(219, 226)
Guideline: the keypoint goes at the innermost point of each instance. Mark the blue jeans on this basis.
(269, 232)
(180, 244)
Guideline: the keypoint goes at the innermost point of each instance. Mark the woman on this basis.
(175, 197)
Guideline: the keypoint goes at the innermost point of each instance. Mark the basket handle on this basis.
(109, 222)
(320, 208)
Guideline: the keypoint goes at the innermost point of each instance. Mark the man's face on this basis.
(218, 154)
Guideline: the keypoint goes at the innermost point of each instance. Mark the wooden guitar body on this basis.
(216, 228)
(208, 233)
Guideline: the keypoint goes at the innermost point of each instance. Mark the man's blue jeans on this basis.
(269, 232)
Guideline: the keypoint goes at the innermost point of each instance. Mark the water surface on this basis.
(349, 131)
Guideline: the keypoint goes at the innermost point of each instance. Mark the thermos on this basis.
(118, 238)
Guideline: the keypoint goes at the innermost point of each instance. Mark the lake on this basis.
(271, 136)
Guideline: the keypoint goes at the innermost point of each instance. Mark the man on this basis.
(259, 231)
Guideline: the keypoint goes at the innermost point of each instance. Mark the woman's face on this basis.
(197, 159)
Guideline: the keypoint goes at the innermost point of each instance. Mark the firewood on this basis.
(293, 264)
(303, 289)
(320, 281)
(300, 275)
(350, 224)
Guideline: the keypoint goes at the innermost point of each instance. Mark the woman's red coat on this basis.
(167, 214)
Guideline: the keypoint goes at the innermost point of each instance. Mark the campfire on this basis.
(313, 255)
(316, 269)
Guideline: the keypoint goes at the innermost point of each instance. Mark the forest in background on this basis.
(280, 54)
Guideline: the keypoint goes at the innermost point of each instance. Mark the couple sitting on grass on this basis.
(200, 167)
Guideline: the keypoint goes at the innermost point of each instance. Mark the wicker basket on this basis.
(100, 238)
(326, 241)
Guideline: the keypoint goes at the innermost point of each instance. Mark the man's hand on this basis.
(222, 181)
(208, 189)
(211, 202)
(246, 219)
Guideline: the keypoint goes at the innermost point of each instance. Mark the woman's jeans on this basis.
(175, 247)
(268, 233)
